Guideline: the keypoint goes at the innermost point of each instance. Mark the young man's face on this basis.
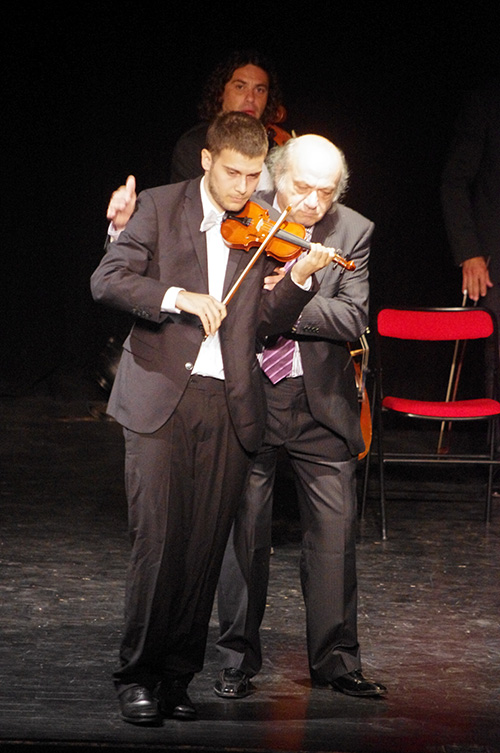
(231, 178)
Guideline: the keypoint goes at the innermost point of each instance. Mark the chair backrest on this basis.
(436, 324)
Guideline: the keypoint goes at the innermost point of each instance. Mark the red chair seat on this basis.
(478, 408)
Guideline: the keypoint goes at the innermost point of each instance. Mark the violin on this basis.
(359, 358)
(252, 224)
(277, 135)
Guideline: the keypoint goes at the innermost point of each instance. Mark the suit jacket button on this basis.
(188, 366)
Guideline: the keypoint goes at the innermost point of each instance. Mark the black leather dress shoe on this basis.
(175, 702)
(232, 683)
(139, 706)
(356, 685)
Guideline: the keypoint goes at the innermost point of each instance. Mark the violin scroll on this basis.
(345, 263)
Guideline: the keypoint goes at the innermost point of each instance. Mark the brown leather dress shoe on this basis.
(139, 706)
(355, 684)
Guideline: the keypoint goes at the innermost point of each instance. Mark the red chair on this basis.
(393, 326)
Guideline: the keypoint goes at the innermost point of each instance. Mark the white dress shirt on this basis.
(209, 361)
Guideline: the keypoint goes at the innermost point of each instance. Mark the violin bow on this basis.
(256, 255)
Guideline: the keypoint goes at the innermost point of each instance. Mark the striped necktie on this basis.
(277, 359)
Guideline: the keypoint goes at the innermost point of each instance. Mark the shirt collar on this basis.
(211, 216)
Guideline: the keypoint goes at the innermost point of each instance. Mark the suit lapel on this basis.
(236, 263)
(193, 215)
(324, 229)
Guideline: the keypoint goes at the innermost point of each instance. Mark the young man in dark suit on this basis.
(189, 395)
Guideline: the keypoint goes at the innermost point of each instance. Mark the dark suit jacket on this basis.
(470, 189)
(186, 157)
(336, 315)
(163, 247)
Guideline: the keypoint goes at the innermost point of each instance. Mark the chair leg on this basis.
(366, 478)
(489, 492)
(381, 473)
(489, 489)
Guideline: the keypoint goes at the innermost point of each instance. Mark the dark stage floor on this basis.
(429, 612)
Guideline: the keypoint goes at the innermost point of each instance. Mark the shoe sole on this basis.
(185, 715)
(232, 696)
(148, 721)
(361, 694)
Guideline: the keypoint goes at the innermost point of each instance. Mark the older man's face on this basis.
(309, 186)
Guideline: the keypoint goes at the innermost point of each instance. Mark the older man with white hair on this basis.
(313, 414)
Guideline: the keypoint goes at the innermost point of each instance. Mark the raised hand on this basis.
(122, 204)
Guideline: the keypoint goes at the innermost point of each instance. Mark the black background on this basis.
(95, 93)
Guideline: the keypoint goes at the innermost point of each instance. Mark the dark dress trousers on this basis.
(315, 418)
(188, 438)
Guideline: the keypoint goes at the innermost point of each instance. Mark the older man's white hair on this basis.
(317, 148)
